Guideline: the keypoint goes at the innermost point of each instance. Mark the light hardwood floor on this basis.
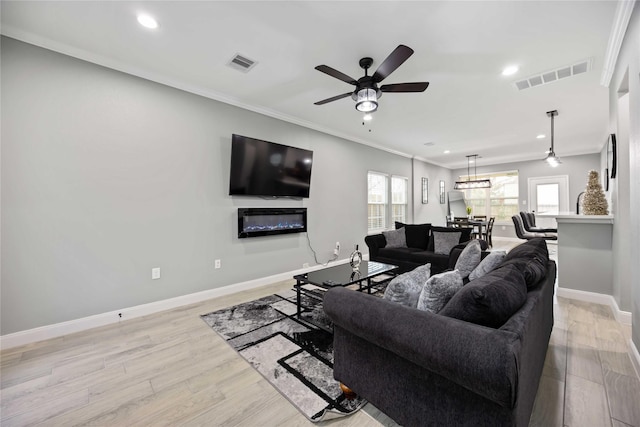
(170, 368)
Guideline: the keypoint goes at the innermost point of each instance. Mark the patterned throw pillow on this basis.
(438, 290)
(469, 258)
(489, 263)
(395, 238)
(444, 242)
(405, 288)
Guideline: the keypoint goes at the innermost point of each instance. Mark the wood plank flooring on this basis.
(170, 368)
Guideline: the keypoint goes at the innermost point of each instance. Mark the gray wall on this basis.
(626, 187)
(432, 212)
(576, 167)
(106, 175)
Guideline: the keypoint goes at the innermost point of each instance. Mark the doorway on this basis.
(548, 195)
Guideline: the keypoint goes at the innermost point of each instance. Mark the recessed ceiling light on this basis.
(147, 21)
(510, 70)
(447, 151)
(542, 135)
(367, 117)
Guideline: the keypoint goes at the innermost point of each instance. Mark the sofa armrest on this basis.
(375, 242)
(480, 359)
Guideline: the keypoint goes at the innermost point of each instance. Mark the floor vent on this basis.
(554, 75)
(242, 63)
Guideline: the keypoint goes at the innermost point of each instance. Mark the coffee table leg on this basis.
(298, 299)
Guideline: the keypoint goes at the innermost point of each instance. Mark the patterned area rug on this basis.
(294, 356)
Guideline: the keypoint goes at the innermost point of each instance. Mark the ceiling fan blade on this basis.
(337, 74)
(333, 98)
(393, 61)
(405, 87)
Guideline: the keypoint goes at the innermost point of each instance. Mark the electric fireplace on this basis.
(254, 222)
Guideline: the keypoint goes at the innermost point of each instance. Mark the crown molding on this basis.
(106, 62)
(618, 30)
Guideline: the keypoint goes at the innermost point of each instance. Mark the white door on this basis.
(548, 195)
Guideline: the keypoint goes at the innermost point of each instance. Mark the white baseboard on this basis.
(635, 357)
(623, 317)
(76, 325)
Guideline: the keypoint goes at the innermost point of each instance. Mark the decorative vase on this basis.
(356, 258)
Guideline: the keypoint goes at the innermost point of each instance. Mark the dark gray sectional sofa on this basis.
(426, 369)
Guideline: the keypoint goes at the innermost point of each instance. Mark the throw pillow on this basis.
(438, 290)
(533, 269)
(405, 288)
(490, 300)
(489, 263)
(417, 234)
(444, 242)
(469, 258)
(464, 237)
(531, 258)
(395, 238)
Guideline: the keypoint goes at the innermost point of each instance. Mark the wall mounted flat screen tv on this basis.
(262, 168)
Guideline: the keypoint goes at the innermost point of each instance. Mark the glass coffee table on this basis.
(314, 284)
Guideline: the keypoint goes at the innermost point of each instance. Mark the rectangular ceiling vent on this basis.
(554, 75)
(242, 63)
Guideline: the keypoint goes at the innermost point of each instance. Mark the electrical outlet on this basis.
(336, 251)
(218, 264)
(155, 273)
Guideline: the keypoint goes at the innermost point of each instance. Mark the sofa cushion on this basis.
(444, 242)
(438, 290)
(489, 263)
(395, 238)
(464, 237)
(530, 249)
(400, 253)
(424, 257)
(469, 259)
(490, 300)
(531, 259)
(405, 288)
(417, 235)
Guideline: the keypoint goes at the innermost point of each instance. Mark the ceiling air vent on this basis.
(242, 63)
(554, 75)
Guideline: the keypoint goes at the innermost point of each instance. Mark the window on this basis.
(399, 198)
(380, 213)
(499, 201)
(377, 201)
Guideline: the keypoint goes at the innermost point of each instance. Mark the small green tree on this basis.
(594, 201)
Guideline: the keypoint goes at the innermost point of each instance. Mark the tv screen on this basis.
(262, 168)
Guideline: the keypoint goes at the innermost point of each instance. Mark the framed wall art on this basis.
(442, 196)
(612, 156)
(425, 190)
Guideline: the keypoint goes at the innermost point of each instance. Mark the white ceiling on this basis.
(460, 48)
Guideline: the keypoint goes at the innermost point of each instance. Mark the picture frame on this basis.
(425, 191)
(612, 155)
(442, 196)
(605, 179)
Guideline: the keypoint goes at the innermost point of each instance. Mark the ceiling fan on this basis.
(367, 92)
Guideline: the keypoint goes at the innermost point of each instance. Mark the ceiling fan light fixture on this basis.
(367, 100)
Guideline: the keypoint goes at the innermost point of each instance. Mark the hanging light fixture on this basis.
(552, 159)
(472, 184)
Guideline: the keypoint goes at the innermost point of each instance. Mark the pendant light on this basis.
(552, 159)
(472, 184)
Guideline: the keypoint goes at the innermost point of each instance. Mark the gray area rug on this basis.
(296, 357)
